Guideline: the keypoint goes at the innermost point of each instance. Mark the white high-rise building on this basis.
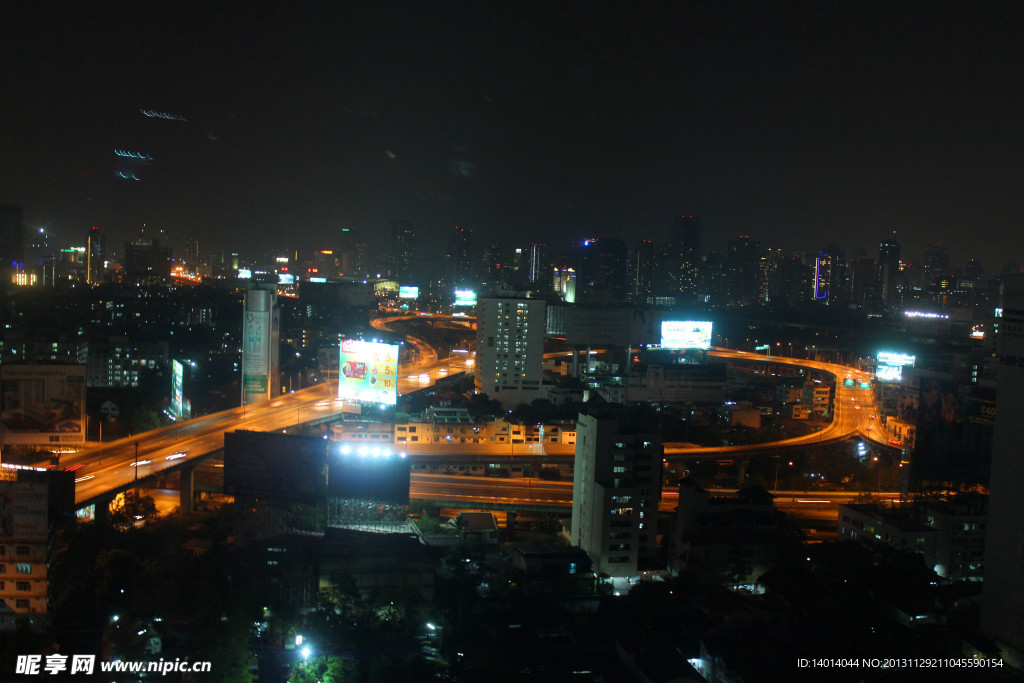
(1002, 604)
(615, 493)
(510, 349)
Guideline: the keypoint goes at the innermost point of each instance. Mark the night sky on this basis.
(797, 124)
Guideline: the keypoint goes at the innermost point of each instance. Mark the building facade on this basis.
(510, 349)
(616, 489)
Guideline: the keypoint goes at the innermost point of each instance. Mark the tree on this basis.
(324, 670)
(131, 509)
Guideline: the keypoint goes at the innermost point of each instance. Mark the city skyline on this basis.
(799, 126)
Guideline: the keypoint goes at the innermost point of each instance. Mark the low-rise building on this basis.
(950, 533)
(733, 537)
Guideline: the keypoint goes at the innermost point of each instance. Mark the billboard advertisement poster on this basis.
(407, 292)
(465, 297)
(889, 373)
(619, 326)
(686, 334)
(255, 358)
(368, 371)
(43, 404)
(177, 387)
(23, 511)
(894, 359)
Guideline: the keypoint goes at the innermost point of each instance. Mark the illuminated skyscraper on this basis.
(457, 257)
(403, 250)
(95, 255)
(541, 269)
(889, 271)
(685, 243)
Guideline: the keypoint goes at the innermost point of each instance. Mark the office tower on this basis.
(829, 275)
(510, 349)
(601, 269)
(493, 271)
(743, 272)
(936, 263)
(615, 493)
(146, 262)
(863, 283)
(541, 269)
(889, 272)
(974, 270)
(565, 284)
(403, 251)
(457, 257)
(260, 342)
(95, 255)
(12, 230)
(685, 251)
(643, 271)
(1002, 600)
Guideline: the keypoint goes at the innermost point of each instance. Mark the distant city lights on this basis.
(923, 314)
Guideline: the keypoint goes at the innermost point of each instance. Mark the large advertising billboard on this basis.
(465, 297)
(619, 326)
(256, 356)
(408, 292)
(890, 365)
(686, 334)
(368, 371)
(43, 404)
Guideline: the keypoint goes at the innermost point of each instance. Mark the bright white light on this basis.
(306, 652)
(176, 456)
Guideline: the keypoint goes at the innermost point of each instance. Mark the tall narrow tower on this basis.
(261, 324)
(95, 255)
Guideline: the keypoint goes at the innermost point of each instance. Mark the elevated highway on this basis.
(105, 470)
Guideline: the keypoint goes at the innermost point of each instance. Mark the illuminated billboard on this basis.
(407, 292)
(177, 387)
(43, 404)
(368, 371)
(686, 334)
(890, 365)
(895, 359)
(889, 373)
(465, 297)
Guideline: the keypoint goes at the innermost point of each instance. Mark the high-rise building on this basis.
(457, 259)
(743, 275)
(1002, 603)
(829, 275)
(493, 271)
(936, 263)
(95, 255)
(146, 262)
(510, 349)
(403, 251)
(541, 269)
(889, 272)
(615, 493)
(863, 283)
(12, 235)
(685, 251)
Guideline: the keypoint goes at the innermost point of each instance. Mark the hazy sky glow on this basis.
(798, 124)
